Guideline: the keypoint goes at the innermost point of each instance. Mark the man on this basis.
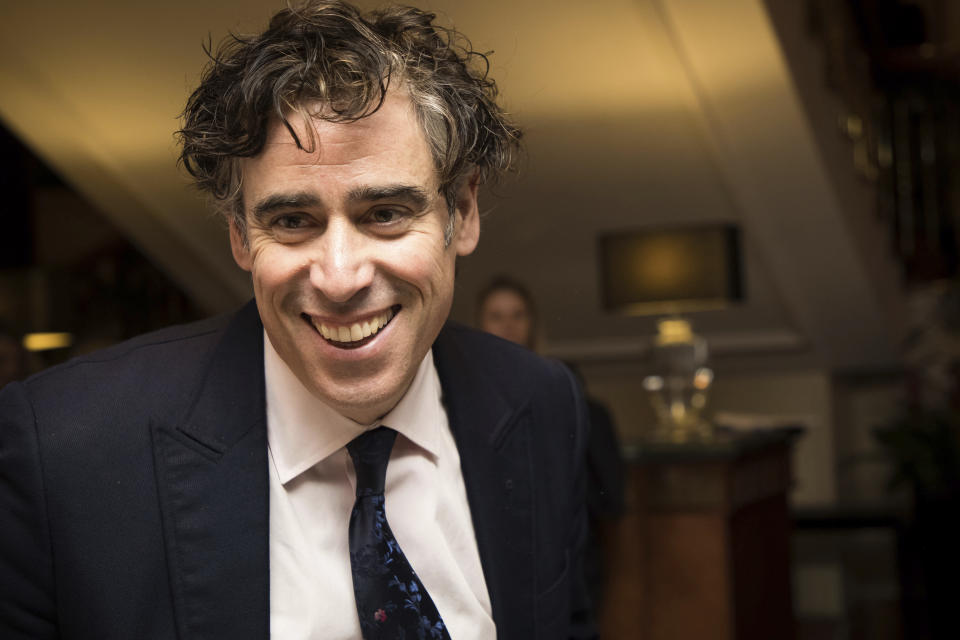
(228, 479)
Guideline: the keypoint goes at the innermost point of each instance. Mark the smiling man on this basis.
(335, 460)
(352, 248)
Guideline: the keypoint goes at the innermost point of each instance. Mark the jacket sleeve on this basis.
(27, 601)
(582, 623)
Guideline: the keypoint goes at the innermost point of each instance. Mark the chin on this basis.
(364, 401)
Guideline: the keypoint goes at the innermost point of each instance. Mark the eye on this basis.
(385, 216)
(292, 227)
(389, 221)
(290, 221)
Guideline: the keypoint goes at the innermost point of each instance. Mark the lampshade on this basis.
(670, 270)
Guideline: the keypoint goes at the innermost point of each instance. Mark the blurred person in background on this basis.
(505, 308)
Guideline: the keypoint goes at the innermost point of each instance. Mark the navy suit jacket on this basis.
(134, 501)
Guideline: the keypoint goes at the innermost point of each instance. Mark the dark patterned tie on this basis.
(391, 601)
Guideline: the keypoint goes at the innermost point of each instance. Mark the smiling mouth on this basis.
(357, 334)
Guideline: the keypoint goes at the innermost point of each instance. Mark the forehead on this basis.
(500, 298)
(388, 144)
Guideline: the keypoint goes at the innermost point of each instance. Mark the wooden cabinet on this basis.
(703, 551)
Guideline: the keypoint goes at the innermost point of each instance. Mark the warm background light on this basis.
(46, 341)
(670, 270)
(674, 331)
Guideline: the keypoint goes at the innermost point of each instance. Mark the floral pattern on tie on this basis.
(391, 601)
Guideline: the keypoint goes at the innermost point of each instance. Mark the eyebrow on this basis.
(415, 196)
(283, 201)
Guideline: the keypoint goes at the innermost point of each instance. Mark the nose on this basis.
(341, 265)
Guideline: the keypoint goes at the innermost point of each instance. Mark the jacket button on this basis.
(508, 485)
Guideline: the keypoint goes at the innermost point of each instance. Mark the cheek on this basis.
(428, 267)
(275, 269)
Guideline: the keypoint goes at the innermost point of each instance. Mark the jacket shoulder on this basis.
(489, 351)
(517, 371)
(170, 337)
(150, 369)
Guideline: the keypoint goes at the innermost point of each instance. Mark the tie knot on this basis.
(371, 452)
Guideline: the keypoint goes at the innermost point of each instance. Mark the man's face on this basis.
(352, 276)
(505, 314)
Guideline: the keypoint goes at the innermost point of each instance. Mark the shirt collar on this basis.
(302, 430)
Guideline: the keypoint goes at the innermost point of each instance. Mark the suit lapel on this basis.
(493, 437)
(212, 476)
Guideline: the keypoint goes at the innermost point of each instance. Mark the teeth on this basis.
(357, 331)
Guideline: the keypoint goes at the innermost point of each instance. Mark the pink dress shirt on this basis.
(312, 486)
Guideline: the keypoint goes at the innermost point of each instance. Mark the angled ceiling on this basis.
(637, 113)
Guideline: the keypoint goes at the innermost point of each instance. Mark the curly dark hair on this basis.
(333, 55)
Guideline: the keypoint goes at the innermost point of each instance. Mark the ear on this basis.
(241, 250)
(468, 231)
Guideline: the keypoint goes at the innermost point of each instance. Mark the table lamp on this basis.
(670, 272)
